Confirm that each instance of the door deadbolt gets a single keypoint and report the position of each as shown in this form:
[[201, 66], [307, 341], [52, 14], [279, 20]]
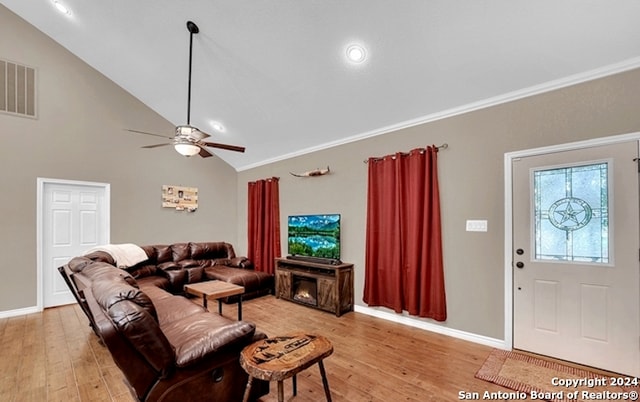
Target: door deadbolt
[[519, 251]]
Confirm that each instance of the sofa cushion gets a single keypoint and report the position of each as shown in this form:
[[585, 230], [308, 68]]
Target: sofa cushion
[[144, 333], [198, 335], [77, 264], [154, 280], [193, 270], [250, 280], [170, 308], [151, 252], [163, 253], [102, 271], [169, 266], [110, 291], [211, 250], [180, 251], [101, 256], [142, 270], [194, 274]]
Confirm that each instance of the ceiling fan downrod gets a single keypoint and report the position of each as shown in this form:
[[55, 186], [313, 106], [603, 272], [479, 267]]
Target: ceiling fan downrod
[[193, 29]]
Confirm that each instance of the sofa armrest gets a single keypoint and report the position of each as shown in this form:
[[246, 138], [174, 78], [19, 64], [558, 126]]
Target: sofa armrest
[[177, 278], [241, 262], [198, 336], [174, 273]]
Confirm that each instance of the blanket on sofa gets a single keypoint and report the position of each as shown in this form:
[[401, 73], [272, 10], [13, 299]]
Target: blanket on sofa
[[125, 255]]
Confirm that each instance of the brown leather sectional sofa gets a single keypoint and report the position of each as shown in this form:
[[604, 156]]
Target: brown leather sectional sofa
[[169, 348]]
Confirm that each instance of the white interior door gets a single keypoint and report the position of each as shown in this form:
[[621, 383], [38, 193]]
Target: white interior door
[[74, 219], [576, 274]]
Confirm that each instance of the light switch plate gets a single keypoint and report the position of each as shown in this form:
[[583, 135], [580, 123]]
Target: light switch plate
[[476, 225]]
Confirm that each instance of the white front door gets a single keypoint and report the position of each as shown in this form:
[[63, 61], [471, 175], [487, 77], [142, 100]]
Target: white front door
[[74, 219], [576, 281]]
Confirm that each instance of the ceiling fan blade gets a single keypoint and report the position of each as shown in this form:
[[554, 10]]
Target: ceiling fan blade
[[144, 132], [156, 145], [224, 146], [204, 153]]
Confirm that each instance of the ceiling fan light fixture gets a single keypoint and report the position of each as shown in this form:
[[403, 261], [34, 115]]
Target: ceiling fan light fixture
[[188, 140], [185, 148], [184, 130]]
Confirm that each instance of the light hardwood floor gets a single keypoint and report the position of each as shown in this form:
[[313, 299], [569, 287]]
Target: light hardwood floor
[[54, 356]]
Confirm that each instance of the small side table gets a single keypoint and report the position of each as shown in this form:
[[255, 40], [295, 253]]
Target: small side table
[[215, 290], [281, 357]]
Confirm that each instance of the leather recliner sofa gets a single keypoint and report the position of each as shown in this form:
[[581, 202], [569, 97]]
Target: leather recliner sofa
[[168, 348], [183, 263]]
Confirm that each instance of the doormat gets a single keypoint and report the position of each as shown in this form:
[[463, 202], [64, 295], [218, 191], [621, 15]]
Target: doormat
[[533, 378]]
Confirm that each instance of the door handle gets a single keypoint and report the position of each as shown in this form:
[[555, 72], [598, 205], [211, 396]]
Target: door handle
[[520, 264]]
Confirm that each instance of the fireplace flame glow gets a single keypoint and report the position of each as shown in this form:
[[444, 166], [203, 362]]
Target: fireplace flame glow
[[305, 290]]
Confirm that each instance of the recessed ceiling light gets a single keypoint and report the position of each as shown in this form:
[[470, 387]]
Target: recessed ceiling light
[[356, 53], [217, 126], [61, 7]]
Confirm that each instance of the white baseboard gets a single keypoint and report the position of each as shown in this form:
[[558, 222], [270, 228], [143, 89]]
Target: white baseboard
[[455, 333], [20, 311]]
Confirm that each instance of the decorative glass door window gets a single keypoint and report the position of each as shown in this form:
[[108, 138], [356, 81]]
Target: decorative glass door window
[[571, 213]]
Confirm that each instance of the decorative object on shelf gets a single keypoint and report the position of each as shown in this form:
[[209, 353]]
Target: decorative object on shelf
[[180, 198], [311, 173]]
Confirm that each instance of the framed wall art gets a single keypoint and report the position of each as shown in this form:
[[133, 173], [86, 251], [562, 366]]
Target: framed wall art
[[180, 198]]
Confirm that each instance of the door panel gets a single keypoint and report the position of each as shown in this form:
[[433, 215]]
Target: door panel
[[74, 220], [577, 282], [546, 295]]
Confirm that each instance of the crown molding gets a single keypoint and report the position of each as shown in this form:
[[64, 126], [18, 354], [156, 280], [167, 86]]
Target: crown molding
[[549, 86]]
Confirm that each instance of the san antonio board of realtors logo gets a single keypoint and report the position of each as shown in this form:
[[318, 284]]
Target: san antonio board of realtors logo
[[570, 213]]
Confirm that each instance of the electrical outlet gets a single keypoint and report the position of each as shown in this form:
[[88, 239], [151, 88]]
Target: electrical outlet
[[476, 225]]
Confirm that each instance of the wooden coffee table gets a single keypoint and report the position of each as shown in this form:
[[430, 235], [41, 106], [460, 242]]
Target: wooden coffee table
[[281, 357], [215, 290]]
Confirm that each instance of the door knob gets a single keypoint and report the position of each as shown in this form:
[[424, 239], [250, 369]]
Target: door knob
[[520, 264]]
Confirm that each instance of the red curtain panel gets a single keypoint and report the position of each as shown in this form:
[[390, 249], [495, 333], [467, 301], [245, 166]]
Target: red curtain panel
[[403, 260], [264, 224]]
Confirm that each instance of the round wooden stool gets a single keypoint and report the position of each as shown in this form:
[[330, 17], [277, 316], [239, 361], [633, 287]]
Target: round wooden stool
[[281, 357]]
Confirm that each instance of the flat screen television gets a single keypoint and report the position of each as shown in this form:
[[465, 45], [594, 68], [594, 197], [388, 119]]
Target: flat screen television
[[314, 236]]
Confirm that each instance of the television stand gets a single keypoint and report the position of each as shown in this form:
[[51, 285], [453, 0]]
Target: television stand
[[324, 286]]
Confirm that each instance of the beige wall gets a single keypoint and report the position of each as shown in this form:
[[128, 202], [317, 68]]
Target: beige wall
[[471, 183], [79, 136]]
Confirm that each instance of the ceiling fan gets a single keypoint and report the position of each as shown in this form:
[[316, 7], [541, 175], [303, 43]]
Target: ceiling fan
[[188, 140]]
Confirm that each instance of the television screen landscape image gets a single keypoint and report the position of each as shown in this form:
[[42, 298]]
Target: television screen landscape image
[[314, 235]]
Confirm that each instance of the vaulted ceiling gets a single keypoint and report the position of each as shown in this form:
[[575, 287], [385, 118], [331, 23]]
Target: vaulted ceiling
[[274, 73]]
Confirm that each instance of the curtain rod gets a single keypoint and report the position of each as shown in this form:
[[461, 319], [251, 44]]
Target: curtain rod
[[443, 146]]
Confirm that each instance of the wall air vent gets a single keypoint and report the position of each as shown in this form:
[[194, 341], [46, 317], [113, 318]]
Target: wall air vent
[[17, 89]]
